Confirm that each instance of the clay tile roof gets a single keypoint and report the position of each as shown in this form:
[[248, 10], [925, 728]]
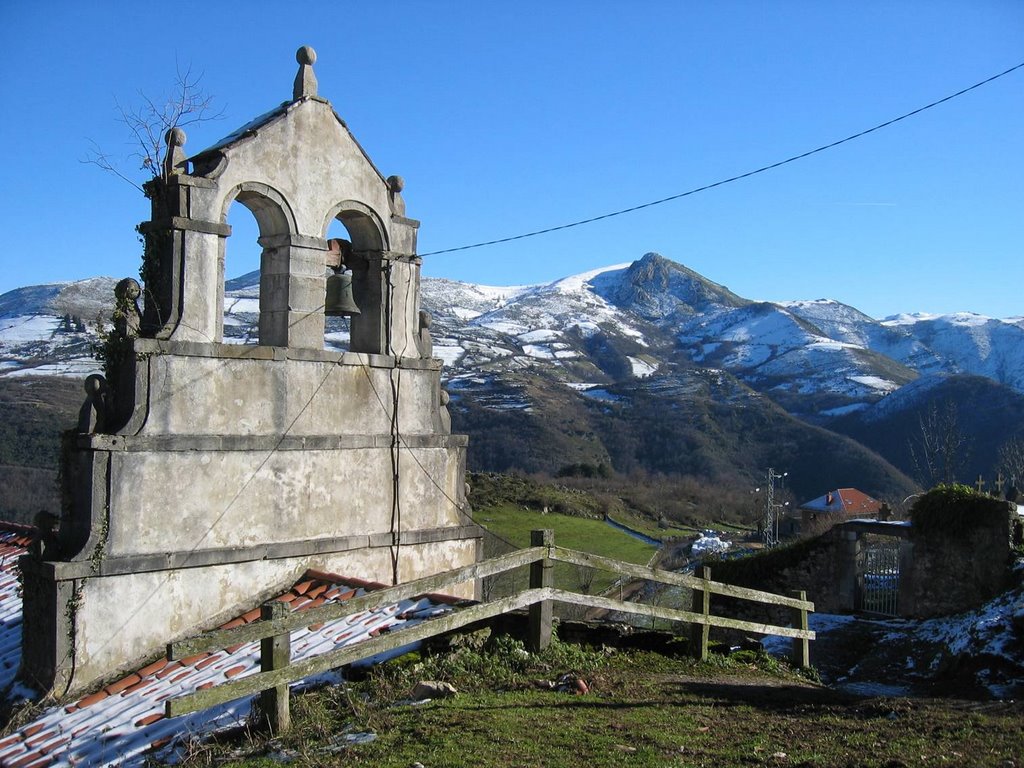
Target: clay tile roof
[[845, 501], [122, 723]]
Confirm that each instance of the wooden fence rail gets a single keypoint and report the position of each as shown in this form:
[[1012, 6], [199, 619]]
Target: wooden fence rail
[[275, 625]]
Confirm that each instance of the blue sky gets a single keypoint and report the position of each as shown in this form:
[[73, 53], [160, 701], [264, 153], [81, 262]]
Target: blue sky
[[510, 117]]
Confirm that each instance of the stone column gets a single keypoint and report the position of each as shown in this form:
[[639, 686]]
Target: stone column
[[182, 267], [906, 600], [292, 291], [847, 546], [370, 290]]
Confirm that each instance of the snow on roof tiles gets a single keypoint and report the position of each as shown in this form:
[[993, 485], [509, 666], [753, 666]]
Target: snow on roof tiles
[[847, 501], [123, 722]]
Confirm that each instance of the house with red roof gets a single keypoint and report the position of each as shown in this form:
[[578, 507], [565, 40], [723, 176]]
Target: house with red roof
[[837, 506]]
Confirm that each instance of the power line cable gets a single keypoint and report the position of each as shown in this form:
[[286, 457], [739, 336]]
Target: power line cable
[[731, 179]]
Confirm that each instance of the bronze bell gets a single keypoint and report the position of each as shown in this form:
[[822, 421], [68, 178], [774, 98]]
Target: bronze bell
[[339, 301]]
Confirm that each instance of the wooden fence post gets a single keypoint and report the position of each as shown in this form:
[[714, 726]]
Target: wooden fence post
[[801, 655], [700, 633], [541, 575], [275, 653]]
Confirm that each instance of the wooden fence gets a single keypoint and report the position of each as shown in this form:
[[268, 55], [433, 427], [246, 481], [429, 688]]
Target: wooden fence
[[276, 623]]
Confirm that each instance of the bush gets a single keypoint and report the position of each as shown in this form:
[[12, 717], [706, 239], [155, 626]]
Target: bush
[[956, 510]]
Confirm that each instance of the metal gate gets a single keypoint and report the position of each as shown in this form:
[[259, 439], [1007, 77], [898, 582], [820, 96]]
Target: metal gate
[[878, 577]]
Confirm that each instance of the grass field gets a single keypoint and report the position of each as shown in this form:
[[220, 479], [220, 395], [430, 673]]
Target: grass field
[[514, 524], [641, 710]]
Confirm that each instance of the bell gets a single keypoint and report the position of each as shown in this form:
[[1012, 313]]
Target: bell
[[339, 301]]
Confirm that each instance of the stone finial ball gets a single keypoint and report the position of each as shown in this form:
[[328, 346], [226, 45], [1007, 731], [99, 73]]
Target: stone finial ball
[[128, 288], [396, 183], [445, 398], [305, 55], [94, 384], [175, 137]]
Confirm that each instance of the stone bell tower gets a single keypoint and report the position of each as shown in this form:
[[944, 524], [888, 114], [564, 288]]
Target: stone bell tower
[[205, 475]]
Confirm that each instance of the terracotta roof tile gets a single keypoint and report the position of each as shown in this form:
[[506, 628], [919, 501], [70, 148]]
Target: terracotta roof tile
[[168, 670], [153, 668], [132, 707], [40, 737], [316, 591], [14, 738], [120, 685]]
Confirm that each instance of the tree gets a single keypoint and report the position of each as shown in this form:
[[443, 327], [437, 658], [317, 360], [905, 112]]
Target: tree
[[1010, 461], [149, 122], [940, 449]]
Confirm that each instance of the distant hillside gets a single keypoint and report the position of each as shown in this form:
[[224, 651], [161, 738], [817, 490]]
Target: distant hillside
[[987, 415], [685, 424]]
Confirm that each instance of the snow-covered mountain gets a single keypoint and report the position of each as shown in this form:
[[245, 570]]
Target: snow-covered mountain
[[599, 327], [652, 331]]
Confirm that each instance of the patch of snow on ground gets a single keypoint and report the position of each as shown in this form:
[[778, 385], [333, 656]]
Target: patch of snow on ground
[[874, 382], [586, 328], [634, 334], [242, 306], [577, 283], [749, 355], [845, 409], [908, 318], [78, 367], [449, 355], [539, 352], [465, 314], [708, 543], [27, 328], [540, 335], [831, 344], [641, 368], [502, 326], [499, 293]]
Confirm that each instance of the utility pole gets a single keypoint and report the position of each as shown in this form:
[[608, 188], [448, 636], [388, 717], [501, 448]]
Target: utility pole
[[771, 510]]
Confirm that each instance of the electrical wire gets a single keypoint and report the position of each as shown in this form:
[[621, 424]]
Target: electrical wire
[[729, 180]]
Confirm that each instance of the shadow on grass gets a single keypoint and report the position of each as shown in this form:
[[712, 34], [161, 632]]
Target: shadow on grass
[[796, 700]]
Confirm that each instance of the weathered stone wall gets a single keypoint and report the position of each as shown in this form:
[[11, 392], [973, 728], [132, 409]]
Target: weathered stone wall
[[953, 573], [940, 574], [811, 566], [108, 622]]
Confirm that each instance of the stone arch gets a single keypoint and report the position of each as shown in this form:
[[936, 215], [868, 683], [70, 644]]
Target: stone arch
[[370, 244], [363, 223], [277, 228], [272, 211]]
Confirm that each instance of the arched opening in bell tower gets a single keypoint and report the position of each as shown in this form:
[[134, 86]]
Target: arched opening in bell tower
[[254, 267], [357, 229], [242, 251]]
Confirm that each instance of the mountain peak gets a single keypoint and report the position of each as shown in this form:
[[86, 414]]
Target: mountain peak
[[658, 288]]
